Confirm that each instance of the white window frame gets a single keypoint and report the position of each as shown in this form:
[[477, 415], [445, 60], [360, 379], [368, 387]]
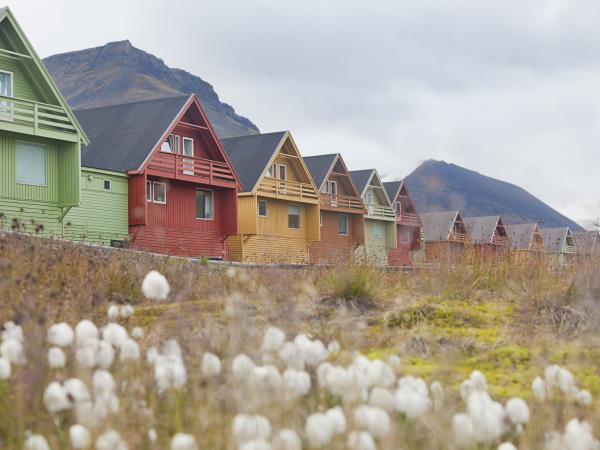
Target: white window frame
[[320, 218], [280, 166], [154, 183], [109, 185], [212, 202], [149, 185], [331, 185], [266, 208], [369, 197], [177, 149], [347, 225], [8, 115], [45, 163], [183, 140], [172, 143], [378, 226], [299, 218]]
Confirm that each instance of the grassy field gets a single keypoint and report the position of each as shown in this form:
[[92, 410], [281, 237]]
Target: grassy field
[[507, 321]]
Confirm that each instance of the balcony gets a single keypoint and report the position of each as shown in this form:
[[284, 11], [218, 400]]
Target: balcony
[[288, 190], [569, 249], [37, 119], [380, 211], [189, 168], [500, 241], [341, 203], [410, 219], [462, 238]]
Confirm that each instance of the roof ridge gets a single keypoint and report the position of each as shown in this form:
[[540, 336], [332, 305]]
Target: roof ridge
[[114, 105]]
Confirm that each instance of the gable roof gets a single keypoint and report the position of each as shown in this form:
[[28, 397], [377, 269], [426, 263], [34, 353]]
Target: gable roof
[[437, 226], [122, 136], [555, 238], [482, 229], [319, 167], [587, 242], [392, 188], [6, 14], [251, 154], [361, 179], [521, 235]]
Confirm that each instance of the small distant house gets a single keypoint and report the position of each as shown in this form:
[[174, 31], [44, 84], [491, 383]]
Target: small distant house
[[526, 241], [587, 244], [278, 202], [408, 224], [40, 140], [560, 245], [181, 187], [488, 235], [445, 236], [342, 212], [380, 219]]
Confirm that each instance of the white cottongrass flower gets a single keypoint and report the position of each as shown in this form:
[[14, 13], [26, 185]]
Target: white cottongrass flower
[[155, 286], [77, 390], [487, 415], [333, 347], [337, 420], [183, 441], [286, 439], [380, 374], [242, 367], [85, 330], [382, 398], [55, 398], [36, 442], [56, 358], [394, 361], [112, 312], [256, 444], [319, 430], [578, 436], [583, 397], [566, 381], [5, 369], [296, 383], [507, 446], [248, 427], [12, 350], [137, 333], [130, 350], [211, 365], [312, 352], [81, 438], [110, 440], [360, 440], [114, 334], [12, 331], [475, 382], [152, 435], [273, 340], [551, 376], [169, 372], [126, 311], [517, 411], [538, 387], [372, 419], [462, 429], [412, 397], [103, 382], [60, 335], [105, 355]]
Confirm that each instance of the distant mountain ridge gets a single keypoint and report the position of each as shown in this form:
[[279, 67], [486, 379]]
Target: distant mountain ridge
[[118, 72], [440, 186]]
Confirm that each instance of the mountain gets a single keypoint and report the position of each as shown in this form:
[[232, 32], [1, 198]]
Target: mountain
[[120, 73], [439, 186]]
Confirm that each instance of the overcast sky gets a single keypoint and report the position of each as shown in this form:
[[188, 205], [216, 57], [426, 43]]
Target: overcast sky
[[509, 88]]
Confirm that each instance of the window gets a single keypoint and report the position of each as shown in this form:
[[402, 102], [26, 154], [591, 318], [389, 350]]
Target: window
[[107, 185], [272, 170], [148, 191], [405, 235], [159, 192], [343, 224], [378, 231], [188, 146], [321, 218], [333, 187], [293, 216], [177, 144], [398, 206], [262, 208], [167, 146], [31, 163], [205, 204], [282, 172], [369, 197], [6, 90]]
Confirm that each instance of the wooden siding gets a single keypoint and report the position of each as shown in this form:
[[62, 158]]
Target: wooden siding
[[276, 222], [334, 248], [102, 215], [31, 215], [23, 84], [173, 241], [260, 249], [444, 251], [137, 200], [247, 214], [376, 250], [402, 255]]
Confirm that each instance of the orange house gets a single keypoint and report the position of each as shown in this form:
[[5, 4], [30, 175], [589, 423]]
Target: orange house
[[488, 235], [446, 236]]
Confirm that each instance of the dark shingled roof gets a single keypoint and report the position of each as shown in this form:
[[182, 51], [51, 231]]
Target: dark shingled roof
[[251, 154], [587, 242], [521, 235], [319, 166], [482, 229], [122, 136], [361, 178], [437, 226], [554, 238], [392, 188]]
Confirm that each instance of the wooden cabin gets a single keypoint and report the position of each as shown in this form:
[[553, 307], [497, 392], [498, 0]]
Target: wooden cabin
[[380, 220], [446, 236], [560, 246], [278, 201], [181, 185], [342, 211], [408, 225], [40, 140], [488, 235], [587, 244], [526, 240]]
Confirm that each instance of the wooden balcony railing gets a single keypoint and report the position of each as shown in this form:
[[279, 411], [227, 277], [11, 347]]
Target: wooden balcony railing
[[385, 212], [569, 249], [342, 203], [459, 237], [411, 219], [36, 118], [190, 168], [289, 190], [537, 247], [501, 241]]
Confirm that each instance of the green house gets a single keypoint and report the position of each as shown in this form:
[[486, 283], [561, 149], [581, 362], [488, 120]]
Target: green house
[[40, 140]]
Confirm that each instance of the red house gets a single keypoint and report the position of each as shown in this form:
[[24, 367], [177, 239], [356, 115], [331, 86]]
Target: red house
[[182, 187], [408, 225]]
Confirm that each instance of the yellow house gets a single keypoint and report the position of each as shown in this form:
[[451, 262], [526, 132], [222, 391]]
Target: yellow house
[[278, 204]]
